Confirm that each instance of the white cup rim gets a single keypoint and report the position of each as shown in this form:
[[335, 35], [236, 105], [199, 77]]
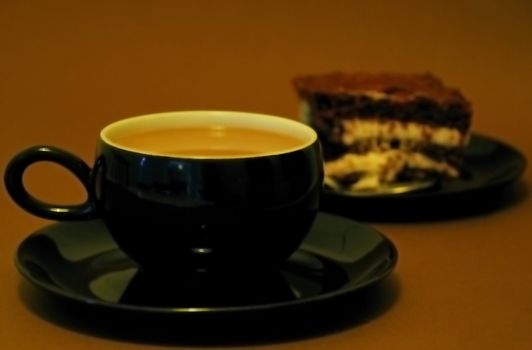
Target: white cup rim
[[155, 121]]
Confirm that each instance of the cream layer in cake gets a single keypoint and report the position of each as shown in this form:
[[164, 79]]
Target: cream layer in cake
[[355, 130]]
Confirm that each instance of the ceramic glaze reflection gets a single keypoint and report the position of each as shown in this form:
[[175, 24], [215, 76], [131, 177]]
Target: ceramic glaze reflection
[[80, 261]]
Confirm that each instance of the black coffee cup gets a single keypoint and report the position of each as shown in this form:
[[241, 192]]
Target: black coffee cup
[[171, 205]]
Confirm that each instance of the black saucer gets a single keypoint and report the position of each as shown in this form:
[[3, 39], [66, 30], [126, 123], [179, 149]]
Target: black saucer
[[80, 263], [491, 167]]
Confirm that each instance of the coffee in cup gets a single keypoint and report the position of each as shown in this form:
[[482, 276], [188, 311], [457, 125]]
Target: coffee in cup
[[194, 189]]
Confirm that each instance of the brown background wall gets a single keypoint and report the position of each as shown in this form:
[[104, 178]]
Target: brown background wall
[[67, 68]]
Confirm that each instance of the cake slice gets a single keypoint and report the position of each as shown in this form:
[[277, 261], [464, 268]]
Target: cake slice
[[386, 127]]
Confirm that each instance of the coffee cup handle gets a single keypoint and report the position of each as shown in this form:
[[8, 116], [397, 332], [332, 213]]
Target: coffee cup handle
[[13, 179]]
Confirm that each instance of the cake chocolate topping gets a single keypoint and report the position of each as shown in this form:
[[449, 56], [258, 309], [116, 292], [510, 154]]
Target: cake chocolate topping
[[407, 123], [393, 86]]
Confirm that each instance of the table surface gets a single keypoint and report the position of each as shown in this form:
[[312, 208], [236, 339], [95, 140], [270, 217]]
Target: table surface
[[67, 69]]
